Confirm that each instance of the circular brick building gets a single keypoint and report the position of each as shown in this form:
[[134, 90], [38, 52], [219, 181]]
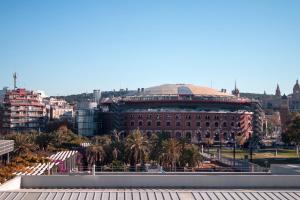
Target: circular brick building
[[184, 111]]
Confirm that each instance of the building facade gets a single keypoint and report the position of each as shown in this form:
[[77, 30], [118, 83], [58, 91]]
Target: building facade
[[22, 110], [86, 118], [185, 111], [58, 109]]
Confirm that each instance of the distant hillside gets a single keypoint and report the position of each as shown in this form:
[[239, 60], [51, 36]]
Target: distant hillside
[[89, 96]]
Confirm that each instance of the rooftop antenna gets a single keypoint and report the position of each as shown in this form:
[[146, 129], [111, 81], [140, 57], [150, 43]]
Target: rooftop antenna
[[235, 85], [15, 80]]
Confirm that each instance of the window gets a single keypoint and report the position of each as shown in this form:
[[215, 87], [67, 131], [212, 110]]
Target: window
[[158, 123], [224, 124], [168, 124], [188, 124], [149, 123], [177, 123], [140, 117], [207, 124], [198, 116], [178, 135], [188, 136], [198, 124], [188, 117], [232, 124], [149, 116], [217, 137], [177, 116], [207, 117], [158, 117], [132, 123], [216, 124], [216, 117], [168, 116], [140, 123]]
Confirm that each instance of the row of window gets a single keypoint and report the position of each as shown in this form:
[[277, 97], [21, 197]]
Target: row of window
[[200, 137], [188, 124], [179, 116]]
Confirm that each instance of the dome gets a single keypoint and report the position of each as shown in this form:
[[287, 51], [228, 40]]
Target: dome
[[296, 88], [181, 90]]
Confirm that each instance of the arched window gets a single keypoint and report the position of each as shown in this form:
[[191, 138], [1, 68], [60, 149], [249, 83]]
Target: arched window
[[188, 136], [224, 124], [158, 123], [149, 123], [207, 124], [216, 124], [217, 137], [178, 135], [140, 123]]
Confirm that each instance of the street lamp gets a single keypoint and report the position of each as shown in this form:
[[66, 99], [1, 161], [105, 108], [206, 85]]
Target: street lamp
[[250, 145], [234, 144]]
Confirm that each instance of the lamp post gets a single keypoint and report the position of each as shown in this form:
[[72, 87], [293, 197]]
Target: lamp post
[[251, 145], [234, 144]]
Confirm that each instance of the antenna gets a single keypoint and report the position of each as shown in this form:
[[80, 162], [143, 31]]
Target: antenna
[[15, 80], [235, 87]]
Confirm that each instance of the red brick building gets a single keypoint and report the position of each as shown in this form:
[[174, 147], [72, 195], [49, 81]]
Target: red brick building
[[186, 111], [192, 125]]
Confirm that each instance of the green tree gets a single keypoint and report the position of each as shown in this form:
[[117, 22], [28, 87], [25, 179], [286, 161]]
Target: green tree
[[171, 152], [95, 155], [292, 134], [137, 147], [191, 156], [23, 143]]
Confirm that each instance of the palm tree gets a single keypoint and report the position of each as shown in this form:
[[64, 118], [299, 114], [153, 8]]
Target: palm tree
[[191, 156], [23, 143], [137, 147], [171, 152], [95, 154]]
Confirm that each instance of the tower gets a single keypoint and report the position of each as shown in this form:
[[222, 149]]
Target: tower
[[15, 80], [296, 89], [236, 91], [278, 92]]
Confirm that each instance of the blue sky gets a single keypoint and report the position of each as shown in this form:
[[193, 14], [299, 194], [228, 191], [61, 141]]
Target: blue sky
[[71, 46]]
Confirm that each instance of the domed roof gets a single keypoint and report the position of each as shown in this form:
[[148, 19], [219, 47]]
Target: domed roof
[[296, 88], [181, 90]]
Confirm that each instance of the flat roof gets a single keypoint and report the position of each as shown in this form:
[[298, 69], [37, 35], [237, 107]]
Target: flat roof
[[150, 194]]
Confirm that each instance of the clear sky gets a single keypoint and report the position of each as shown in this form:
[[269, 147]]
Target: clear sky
[[72, 46]]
